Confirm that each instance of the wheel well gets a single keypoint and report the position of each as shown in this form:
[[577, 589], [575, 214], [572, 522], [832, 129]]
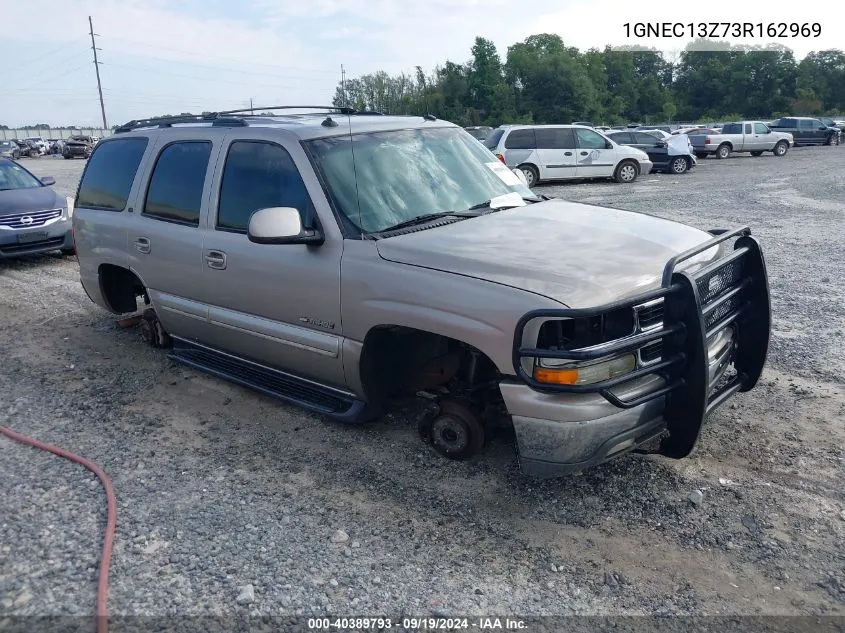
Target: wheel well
[[532, 166], [398, 360], [121, 288], [728, 143], [627, 160]]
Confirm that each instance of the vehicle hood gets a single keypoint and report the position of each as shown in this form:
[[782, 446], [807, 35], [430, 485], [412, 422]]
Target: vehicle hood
[[31, 199], [577, 254]]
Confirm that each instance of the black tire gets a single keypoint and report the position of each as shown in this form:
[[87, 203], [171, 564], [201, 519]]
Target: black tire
[[532, 175], [781, 148], [455, 431], [66, 157], [626, 172], [68, 252], [756, 153], [723, 151], [701, 154], [679, 165]]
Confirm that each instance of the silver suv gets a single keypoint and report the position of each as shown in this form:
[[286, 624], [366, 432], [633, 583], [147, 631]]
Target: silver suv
[[336, 260]]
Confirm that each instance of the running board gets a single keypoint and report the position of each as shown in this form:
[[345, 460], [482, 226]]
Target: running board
[[306, 394]]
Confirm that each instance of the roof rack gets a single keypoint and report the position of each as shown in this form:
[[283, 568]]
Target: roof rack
[[241, 118]]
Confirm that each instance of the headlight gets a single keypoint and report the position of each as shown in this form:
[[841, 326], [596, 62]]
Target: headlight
[[564, 372], [69, 206]]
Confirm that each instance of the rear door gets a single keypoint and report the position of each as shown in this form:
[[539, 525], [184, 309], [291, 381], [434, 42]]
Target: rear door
[[595, 158], [556, 152], [521, 148], [807, 131], [165, 231], [820, 131]]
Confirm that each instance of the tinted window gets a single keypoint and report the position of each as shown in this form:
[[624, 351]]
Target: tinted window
[[732, 128], [493, 140], [588, 139], [789, 122], [259, 175], [804, 124], [748, 128], [175, 191], [109, 174], [623, 138], [760, 128], [645, 139], [520, 139], [554, 138]]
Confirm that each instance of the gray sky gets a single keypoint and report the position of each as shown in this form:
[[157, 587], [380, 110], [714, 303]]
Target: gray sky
[[169, 56]]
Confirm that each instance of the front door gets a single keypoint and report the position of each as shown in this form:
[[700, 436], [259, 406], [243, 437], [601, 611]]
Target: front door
[[556, 152], [658, 152], [276, 304], [595, 156], [165, 231], [762, 138]]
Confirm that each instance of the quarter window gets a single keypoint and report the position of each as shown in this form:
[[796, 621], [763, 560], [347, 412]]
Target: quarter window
[[587, 139], [110, 173], [521, 139], [259, 175], [177, 183]]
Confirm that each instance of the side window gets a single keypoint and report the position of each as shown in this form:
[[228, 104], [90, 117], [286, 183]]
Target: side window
[[555, 138], [748, 128], [642, 138], [176, 186], [806, 124], [109, 174], [790, 123], [521, 139], [258, 175], [760, 128], [817, 124], [623, 138], [587, 139]]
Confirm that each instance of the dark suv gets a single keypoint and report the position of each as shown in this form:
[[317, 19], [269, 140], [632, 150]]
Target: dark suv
[[807, 130]]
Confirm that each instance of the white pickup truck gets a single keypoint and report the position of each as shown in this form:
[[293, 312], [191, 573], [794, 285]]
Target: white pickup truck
[[754, 137]]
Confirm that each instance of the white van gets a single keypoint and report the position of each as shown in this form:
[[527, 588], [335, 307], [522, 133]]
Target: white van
[[564, 152]]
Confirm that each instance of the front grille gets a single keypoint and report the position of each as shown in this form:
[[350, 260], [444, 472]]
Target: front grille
[[12, 249], [651, 352], [649, 315], [36, 218]]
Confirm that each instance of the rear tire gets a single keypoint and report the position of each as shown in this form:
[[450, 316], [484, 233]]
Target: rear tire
[[679, 165], [756, 153], [781, 148], [531, 174], [701, 154], [626, 172], [724, 151]]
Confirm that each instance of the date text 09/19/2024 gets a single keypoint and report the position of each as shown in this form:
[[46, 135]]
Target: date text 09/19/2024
[[718, 30], [364, 624]]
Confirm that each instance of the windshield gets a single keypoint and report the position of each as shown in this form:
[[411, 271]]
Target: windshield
[[405, 174], [13, 176]]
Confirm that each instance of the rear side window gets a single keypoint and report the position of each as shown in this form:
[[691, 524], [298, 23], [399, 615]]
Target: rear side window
[[748, 128], [554, 138], [732, 128], [623, 138], [175, 191], [259, 175], [645, 139], [521, 139], [109, 174]]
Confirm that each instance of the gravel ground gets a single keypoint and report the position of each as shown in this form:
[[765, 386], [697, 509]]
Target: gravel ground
[[230, 503]]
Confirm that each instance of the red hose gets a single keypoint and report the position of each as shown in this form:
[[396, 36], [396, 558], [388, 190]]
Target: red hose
[[105, 558]]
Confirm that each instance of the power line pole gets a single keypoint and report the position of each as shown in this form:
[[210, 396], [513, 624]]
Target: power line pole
[[251, 111], [343, 85], [97, 69]]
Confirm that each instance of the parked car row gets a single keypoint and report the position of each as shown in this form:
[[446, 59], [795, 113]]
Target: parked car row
[[564, 152]]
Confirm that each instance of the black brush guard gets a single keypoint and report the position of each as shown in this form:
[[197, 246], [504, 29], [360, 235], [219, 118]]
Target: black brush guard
[[732, 290]]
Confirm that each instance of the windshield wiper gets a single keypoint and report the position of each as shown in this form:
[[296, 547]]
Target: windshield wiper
[[428, 217], [488, 204]]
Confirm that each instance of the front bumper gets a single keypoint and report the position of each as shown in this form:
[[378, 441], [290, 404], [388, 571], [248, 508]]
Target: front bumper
[[714, 337], [55, 236], [646, 166]]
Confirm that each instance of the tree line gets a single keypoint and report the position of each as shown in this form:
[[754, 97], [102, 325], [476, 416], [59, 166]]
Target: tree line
[[541, 80]]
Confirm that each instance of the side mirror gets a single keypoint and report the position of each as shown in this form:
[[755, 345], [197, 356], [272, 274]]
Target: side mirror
[[48, 180], [280, 225], [608, 145], [521, 175]]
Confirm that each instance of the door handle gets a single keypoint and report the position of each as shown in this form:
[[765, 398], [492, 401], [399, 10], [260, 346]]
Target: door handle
[[584, 153], [215, 259], [567, 153], [142, 245]]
